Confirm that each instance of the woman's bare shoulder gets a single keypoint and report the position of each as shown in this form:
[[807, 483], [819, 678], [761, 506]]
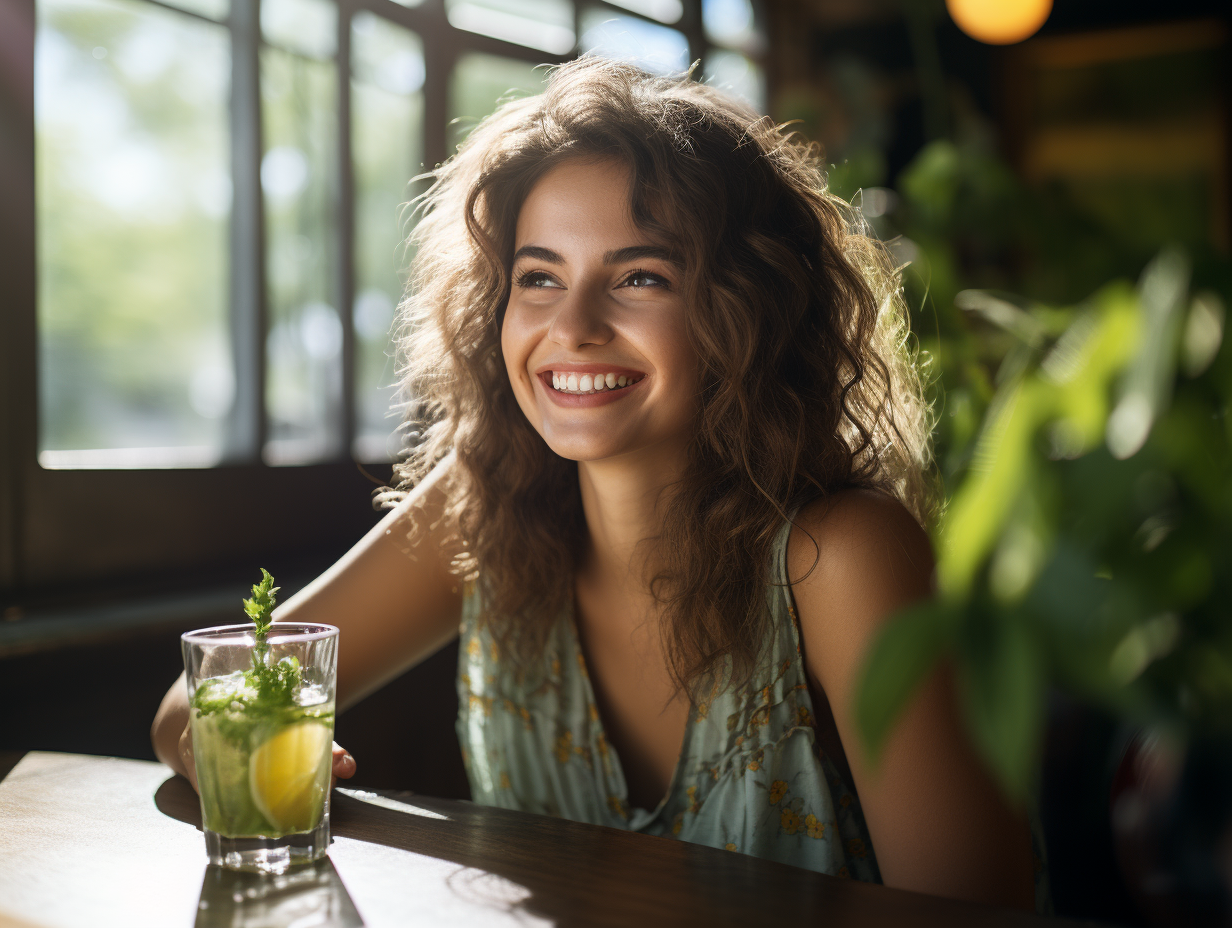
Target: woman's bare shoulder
[[855, 557]]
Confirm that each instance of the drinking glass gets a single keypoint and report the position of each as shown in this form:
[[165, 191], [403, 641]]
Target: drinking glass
[[262, 719]]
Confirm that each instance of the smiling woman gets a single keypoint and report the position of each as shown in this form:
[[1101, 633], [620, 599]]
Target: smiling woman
[[669, 482]]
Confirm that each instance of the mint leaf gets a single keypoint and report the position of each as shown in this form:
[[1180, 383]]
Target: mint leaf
[[261, 606]]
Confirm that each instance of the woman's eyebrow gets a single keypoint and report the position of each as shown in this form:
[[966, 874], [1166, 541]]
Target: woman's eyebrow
[[539, 253], [639, 253]]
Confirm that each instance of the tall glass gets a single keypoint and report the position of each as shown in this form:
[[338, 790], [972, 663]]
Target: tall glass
[[262, 718]]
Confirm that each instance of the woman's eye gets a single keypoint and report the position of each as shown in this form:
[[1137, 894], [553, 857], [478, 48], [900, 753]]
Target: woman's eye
[[645, 279], [536, 280]]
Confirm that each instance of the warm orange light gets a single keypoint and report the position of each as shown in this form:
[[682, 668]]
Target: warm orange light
[[999, 22]]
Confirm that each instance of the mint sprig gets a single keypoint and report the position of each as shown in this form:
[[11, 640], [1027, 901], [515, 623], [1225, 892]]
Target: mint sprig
[[261, 606]]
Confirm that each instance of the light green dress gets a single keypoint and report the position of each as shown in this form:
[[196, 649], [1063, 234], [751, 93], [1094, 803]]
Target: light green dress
[[751, 777]]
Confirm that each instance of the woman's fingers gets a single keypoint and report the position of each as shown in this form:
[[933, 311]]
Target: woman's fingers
[[344, 765], [186, 757]]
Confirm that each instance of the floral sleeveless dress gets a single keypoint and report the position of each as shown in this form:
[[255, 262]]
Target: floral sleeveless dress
[[751, 777]]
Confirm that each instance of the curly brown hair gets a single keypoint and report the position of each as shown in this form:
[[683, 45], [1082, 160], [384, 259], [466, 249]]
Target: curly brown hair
[[809, 383]]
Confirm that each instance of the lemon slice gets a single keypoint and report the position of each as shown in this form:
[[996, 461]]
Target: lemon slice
[[289, 774]]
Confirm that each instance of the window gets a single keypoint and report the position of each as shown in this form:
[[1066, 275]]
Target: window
[[205, 243]]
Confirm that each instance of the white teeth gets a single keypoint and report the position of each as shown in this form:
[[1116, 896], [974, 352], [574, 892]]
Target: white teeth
[[588, 383]]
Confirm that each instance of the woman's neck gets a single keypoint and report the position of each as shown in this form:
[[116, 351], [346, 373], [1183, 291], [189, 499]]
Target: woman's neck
[[624, 500]]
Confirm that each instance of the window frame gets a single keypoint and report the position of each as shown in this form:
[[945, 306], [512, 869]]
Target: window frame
[[83, 529]]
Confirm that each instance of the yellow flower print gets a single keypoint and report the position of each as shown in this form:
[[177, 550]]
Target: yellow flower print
[[778, 789], [594, 712], [729, 846], [474, 648], [855, 847], [563, 745], [556, 666], [703, 709], [481, 703], [694, 805], [581, 662], [843, 873], [617, 807], [790, 821], [601, 744], [465, 680], [804, 717], [495, 652], [765, 695], [504, 780], [815, 828], [677, 823], [755, 763]]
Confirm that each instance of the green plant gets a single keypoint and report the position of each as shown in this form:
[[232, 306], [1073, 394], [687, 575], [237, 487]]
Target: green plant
[[1087, 542]]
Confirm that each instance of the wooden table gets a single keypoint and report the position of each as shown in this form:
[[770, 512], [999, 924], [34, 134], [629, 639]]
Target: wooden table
[[98, 841]]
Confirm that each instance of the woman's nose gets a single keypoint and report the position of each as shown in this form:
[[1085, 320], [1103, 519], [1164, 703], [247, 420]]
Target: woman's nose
[[580, 320]]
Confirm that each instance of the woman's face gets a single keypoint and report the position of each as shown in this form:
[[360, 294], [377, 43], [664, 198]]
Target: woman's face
[[594, 335]]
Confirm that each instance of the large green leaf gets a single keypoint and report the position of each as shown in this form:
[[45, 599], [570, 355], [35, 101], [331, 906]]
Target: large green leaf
[[906, 650], [1002, 683]]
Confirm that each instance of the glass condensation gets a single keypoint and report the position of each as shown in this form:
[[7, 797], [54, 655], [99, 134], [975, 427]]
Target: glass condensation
[[133, 202], [657, 49], [480, 82], [738, 75], [387, 76], [298, 181], [543, 24]]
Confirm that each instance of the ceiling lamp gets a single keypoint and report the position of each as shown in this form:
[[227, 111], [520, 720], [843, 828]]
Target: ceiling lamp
[[999, 22]]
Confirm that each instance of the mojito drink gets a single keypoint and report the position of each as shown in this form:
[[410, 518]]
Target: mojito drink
[[263, 759], [261, 712]]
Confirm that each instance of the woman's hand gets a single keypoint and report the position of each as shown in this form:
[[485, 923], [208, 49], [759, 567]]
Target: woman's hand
[[344, 766]]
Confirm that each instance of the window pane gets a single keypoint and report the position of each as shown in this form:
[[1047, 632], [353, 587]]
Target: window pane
[[214, 9], [656, 48], [665, 11], [738, 75], [304, 347], [387, 150], [309, 27], [543, 24], [134, 197], [732, 23], [479, 82]]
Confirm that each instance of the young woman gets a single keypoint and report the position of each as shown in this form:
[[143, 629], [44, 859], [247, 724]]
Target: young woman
[[668, 482]]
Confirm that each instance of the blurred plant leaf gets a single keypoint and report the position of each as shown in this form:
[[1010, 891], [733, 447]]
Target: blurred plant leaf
[[999, 673], [1147, 385], [901, 658]]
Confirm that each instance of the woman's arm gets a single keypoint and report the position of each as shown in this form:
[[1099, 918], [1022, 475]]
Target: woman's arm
[[393, 599], [938, 821]]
